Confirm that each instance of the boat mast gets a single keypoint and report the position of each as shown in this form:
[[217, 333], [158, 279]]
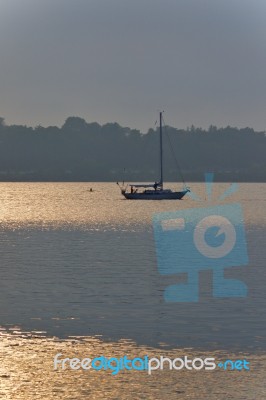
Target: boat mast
[[161, 149]]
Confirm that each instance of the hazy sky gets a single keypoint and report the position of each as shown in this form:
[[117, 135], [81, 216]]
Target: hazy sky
[[202, 61]]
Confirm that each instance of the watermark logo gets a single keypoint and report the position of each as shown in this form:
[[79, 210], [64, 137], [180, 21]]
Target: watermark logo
[[116, 365], [197, 239]]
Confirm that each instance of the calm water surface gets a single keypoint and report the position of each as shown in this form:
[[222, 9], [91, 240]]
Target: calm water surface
[[79, 276]]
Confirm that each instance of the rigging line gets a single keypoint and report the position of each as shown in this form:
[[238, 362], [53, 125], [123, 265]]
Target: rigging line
[[155, 129], [173, 154], [145, 148]]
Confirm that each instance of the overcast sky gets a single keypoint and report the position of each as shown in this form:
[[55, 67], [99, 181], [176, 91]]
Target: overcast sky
[[202, 61]]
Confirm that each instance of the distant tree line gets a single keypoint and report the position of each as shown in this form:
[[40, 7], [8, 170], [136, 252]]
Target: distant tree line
[[81, 151]]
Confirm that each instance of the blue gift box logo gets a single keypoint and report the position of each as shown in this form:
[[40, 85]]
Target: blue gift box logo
[[197, 239]]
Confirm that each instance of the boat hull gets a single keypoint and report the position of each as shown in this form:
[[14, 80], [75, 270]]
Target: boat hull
[[156, 195]]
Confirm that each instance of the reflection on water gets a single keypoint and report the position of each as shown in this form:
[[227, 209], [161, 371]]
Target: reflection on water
[[27, 372], [109, 283], [72, 204], [80, 263]]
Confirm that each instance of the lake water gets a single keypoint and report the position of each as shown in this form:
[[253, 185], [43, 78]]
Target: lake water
[[79, 276]]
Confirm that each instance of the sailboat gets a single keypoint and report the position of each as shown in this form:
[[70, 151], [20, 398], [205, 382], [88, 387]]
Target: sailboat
[[153, 191]]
